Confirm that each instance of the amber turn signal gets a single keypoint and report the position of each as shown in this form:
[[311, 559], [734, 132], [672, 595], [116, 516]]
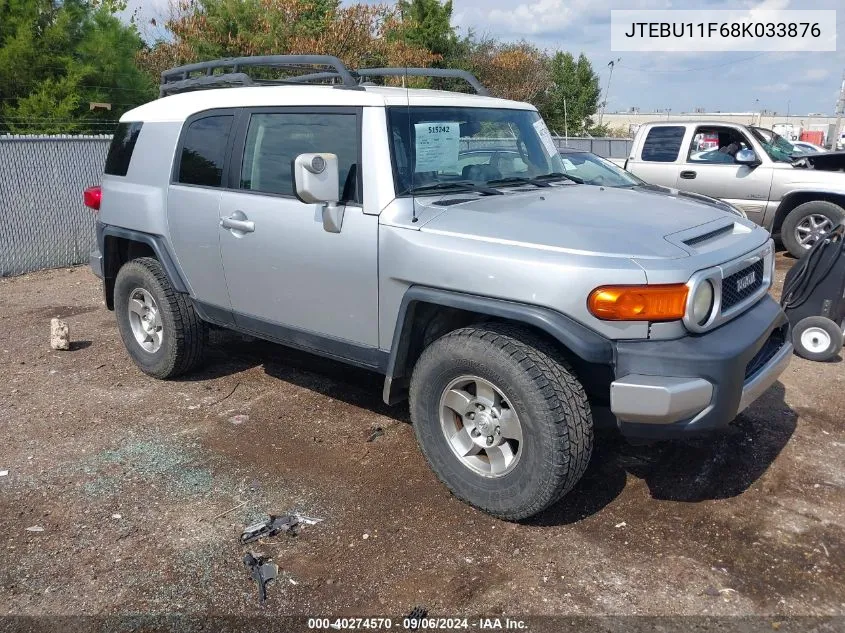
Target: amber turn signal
[[639, 303]]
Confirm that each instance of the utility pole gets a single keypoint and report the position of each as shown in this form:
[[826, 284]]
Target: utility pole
[[610, 65], [840, 110]]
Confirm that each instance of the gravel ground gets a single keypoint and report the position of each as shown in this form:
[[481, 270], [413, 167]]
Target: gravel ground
[[112, 474]]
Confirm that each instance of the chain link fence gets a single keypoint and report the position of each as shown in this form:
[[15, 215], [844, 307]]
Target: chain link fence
[[45, 224]]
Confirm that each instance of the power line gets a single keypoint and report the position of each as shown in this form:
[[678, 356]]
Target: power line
[[687, 70]]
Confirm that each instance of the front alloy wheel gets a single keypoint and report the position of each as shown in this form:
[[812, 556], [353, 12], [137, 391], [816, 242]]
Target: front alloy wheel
[[481, 427]]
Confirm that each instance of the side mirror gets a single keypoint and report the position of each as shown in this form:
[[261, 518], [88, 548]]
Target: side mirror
[[316, 181], [747, 157]]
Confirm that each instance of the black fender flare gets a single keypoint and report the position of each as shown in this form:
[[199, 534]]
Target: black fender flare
[[156, 242], [583, 342]]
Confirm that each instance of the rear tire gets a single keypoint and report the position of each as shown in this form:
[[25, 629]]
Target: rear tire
[[817, 338], [161, 331], [800, 222], [532, 384]]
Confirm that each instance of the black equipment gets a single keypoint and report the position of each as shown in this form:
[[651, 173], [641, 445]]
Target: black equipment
[[814, 298]]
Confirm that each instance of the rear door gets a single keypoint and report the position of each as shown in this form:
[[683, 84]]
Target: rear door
[[657, 159], [288, 278], [193, 203]]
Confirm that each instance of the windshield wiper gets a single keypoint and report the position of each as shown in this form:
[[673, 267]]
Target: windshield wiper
[[556, 175], [461, 185], [518, 180]]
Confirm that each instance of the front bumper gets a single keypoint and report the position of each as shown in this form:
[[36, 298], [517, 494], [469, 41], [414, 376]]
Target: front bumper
[[699, 383]]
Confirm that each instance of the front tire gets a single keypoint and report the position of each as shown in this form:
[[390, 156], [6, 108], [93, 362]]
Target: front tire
[[161, 331], [807, 222], [501, 419], [817, 338]]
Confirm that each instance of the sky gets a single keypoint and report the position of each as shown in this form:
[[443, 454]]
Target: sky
[[796, 82]]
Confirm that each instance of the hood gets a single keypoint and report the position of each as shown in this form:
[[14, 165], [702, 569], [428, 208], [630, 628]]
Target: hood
[[579, 219], [697, 197], [828, 161]]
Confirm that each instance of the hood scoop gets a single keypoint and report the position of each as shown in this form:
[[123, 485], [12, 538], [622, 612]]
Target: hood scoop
[[709, 235]]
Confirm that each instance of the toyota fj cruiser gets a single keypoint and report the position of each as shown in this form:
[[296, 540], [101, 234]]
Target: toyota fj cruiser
[[511, 303]]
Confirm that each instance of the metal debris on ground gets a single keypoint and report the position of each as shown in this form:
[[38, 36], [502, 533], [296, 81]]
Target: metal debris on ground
[[35, 528], [3, 473], [376, 432], [263, 570], [417, 613], [287, 523]]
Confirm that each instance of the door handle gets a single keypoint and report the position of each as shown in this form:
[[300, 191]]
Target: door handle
[[688, 175], [244, 226]]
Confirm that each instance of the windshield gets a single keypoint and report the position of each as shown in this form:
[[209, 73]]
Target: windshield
[[778, 149], [595, 170], [442, 148]]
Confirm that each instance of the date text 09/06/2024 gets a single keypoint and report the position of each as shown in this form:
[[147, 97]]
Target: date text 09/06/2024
[[418, 624]]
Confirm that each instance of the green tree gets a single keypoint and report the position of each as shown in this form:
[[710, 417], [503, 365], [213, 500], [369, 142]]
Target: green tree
[[59, 58], [573, 95], [428, 24]]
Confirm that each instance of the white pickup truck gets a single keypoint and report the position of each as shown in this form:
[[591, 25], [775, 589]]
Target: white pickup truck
[[751, 168]]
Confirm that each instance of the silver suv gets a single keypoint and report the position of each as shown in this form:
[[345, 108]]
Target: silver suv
[[800, 197], [513, 305]]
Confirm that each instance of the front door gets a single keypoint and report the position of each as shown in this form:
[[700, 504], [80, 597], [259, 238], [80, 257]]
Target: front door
[[287, 276], [710, 169]]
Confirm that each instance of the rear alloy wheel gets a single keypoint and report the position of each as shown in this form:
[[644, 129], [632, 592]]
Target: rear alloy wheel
[[807, 223], [501, 419]]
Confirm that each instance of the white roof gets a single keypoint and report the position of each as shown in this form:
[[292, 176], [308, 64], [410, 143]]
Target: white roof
[[180, 106]]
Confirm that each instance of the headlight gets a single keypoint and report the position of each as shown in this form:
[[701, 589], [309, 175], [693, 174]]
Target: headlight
[[702, 303]]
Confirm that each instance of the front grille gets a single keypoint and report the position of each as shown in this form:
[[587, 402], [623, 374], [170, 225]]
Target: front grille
[[776, 340], [740, 285]]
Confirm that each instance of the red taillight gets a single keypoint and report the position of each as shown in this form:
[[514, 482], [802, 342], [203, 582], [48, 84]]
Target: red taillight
[[92, 197]]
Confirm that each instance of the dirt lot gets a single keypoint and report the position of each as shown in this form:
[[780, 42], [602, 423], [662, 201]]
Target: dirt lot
[[127, 476]]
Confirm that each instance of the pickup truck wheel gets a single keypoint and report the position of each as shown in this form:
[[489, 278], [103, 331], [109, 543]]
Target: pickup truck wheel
[[161, 331], [817, 338], [807, 222], [501, 419]]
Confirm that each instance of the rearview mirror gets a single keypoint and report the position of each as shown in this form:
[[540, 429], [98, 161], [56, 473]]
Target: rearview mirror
[[316, 180], [746, 157]]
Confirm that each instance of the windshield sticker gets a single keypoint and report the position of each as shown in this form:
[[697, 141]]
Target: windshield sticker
[[568, 164], [545, 137], [437, 146]]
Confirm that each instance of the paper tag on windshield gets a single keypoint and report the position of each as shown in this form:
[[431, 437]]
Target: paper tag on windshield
[[437, 146], [545, 137], [568, 164]]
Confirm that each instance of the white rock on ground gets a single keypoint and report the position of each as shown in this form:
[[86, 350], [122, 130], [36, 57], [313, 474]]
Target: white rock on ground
[[59, 334]]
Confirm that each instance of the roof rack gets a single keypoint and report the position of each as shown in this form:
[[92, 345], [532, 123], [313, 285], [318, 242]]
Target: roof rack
[[401, 72], [426, 72], [179, 79]]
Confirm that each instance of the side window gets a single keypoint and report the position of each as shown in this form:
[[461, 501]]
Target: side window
[[663, 144], [274, 140], [121, 148], [203, 150], [715, 145]]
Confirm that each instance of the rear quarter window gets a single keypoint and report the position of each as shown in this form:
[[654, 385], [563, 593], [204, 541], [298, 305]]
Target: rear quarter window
[[204, 150], [663, 144], [121, 148]]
